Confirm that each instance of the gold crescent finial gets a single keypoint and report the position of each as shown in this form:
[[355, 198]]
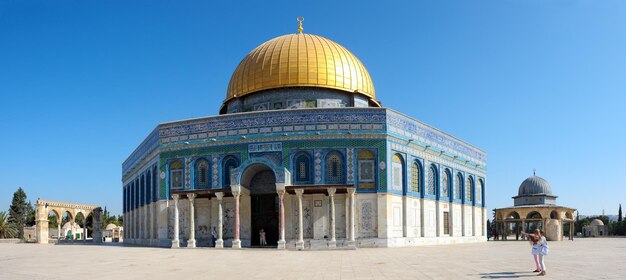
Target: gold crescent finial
[[300, 28]]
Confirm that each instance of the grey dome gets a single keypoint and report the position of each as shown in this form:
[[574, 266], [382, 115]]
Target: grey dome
[[597, 222], [534, 185]]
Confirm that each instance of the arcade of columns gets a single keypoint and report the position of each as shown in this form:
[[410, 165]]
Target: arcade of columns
[[191, 243], [507, 216]]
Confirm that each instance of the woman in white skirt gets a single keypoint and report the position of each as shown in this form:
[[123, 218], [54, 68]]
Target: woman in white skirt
[[543, 251], [535, 247]]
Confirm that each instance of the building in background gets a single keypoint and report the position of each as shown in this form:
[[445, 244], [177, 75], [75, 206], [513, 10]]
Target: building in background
[[596, 228], [534, 208]]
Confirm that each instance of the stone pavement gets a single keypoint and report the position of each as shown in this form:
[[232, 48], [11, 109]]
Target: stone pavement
[[599, 258]]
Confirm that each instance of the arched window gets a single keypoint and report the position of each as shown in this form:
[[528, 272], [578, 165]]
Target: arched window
[[416, 177], [432, 180], [176, 175], [479, 191], [229, 164], [468, 189], [445, 189], [302, 168], [366, 166], [458, 182], [334, 168], [397, 175], [201, 173]]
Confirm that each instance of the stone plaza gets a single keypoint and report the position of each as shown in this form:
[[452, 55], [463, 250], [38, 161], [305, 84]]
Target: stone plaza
[[585, 258]]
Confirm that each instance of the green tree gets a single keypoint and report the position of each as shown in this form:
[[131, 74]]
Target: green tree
[[52, 221], [7, 229], [619, 213], [30, 214], [18, 211]]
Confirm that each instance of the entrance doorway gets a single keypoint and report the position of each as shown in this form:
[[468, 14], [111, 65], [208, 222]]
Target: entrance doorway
[[264, 208], [265, 216]]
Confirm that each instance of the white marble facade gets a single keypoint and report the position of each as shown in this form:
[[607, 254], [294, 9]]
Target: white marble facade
[[381, 221]]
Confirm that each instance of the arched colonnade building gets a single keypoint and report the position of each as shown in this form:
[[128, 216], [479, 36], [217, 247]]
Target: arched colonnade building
[[43, 208], [303, 150], [535, 208]]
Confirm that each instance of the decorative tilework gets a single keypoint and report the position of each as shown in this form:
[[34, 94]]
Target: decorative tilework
[[307, 221], [350, 165], [273, 118], [421, 132], [229, 220], [147, 146], [274, 157], [318, 166], [187, 172], [215, 159], [367, 218], [295, 104], [265, 147]]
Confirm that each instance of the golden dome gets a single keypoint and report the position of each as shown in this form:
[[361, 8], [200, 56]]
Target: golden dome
[[300, 60]]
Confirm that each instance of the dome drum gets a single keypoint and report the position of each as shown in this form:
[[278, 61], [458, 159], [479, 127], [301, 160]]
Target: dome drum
[[295, 98]]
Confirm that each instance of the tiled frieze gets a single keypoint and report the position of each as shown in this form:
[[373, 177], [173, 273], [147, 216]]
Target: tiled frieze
[[403, 125], [147, 147], [273, 118], [434, 158]]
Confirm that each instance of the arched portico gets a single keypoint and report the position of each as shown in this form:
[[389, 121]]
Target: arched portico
[[44, 207], [528, 218], [258, 186]]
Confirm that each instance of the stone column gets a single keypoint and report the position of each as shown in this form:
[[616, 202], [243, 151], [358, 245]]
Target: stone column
[[59, 229], [351, 239], [300, 242], [97, 225], [175, 241], [281, 219], [236, 240], [523, 225], [333, 241], [219, 243], [571, 230], [347, 216], [191, 243], [84, 228]]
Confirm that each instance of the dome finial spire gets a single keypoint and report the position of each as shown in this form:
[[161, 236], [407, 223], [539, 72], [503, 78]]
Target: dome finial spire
[[534, 172], [300, 28]]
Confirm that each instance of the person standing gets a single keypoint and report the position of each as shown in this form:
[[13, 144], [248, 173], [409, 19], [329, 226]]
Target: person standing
[[534, 249], [262, 238], [543, 251], [213, 236]]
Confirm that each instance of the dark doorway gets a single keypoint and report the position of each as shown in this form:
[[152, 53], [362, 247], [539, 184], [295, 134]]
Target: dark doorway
[[264, 208], [264, 216]]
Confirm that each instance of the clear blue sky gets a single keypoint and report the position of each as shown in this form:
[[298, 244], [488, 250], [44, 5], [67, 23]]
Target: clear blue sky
[[536, 84]]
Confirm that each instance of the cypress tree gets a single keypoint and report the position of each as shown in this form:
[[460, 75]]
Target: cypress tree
[[619, 213], [18, 211]]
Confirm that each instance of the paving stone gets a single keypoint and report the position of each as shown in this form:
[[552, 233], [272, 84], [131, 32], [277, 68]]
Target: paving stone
[[593, 258]]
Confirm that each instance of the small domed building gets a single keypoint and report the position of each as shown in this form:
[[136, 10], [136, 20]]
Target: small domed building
[[303, 151], [534, 208], [596, 228]]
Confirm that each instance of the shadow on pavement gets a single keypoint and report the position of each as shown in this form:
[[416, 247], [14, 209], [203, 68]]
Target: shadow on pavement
[[507, 274]]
